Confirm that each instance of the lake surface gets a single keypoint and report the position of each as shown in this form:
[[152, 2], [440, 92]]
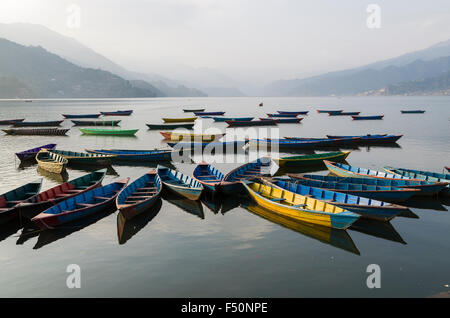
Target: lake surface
[[217, 248]]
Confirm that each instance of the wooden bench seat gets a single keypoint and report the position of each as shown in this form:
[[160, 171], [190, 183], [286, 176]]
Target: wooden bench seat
[[84, 204], [101, 198]]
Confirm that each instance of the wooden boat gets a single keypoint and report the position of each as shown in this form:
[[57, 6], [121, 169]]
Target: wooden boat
[[422, 175], [299, 207], [81, 116], [302, 112], [140, 195], [61, 192], [327, 235], [366, 207], [10, 200], [53, 123], [180, 120], [169, 126], [198, 110], [344, 113], [293, 144], [343, 170], [375, 117], [175, 136], [85, 158], [223, 119], [281, 115], [104, 123], [108, 132], [51, 162], [371, 138], [310, 160], [220, 145], [135, 155], [208, 176], [376, 188], [209, 113], [37, 132], [412, 111], [10, 121], [285, 120], [118, 113], [336, 141], [80, 206], [30, 154], [179, 183], [251, 123], [321, 111], [231, 183]]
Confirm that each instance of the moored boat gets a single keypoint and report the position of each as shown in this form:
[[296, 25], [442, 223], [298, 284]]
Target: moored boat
[[293, 144], [10, 200], [412, 111], [219, 145], [223, 119], [81, 116], [80, 206], [118, 113], [301, 112], [267, 122], [208, 176], [295, 120], [37, 132], [179, 183], [326, 141], [375, 117], [321, 111], [10, 121], [175, 136], [169, 126], [281, 115], [51, 162], [109, 132], [366, 207], [105, 123], [135, 155], [198, 110], [384, 138], [52, 123], [179, 120], [299, 207], [209, 113], [344, 113], [61, 192], [140, 195], [311, 160], [84, 158], [30, 154]]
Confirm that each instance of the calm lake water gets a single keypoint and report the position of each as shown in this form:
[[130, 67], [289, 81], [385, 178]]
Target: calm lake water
[[218, 248]]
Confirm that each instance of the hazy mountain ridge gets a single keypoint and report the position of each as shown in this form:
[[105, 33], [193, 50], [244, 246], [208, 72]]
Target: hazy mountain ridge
[[33, 72], [438, 85]]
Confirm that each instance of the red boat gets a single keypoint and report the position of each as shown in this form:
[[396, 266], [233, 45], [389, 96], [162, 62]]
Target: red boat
[[11, 121]]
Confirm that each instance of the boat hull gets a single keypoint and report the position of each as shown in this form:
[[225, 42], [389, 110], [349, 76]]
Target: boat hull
[[98, 123], [109, 132], [169, 126], [368, 117], [81, 116], [304, 161], [180, 120]]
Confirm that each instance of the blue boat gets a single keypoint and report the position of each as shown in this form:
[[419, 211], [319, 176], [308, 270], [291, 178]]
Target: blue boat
[[52, 123], [140, 195], [209, 113], [208, 176], [179, 183], [355, 186], [135, 155], [412, 111], [220, 145], [285, 120], [376, 117], [231, 182], [118, 113], [293, 144], [80, 206], [81, 116], [31, 153], [302, 112], [220, 119], [366, 207], [422, 175], [344, 113], [281, 115], [371, 138], [337, 141]]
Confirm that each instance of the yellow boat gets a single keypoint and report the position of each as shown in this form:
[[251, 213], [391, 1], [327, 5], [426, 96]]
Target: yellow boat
[[180, 120], [299, 207], [51, 162], [173, 136]]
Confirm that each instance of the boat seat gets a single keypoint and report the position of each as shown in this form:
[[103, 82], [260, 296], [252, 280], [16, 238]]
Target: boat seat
[[148, 188], [13, 202], [131, 202], [210, 180], [207, 175], [84, 204], [140, 197], [299, 206], [74, 190], [30, 193], [83, 187], [61, 195], [101, 198]]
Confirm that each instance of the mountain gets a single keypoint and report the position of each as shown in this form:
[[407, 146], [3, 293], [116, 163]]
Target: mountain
[[33, 72], [438, 85], [368, 77], [75, 52]]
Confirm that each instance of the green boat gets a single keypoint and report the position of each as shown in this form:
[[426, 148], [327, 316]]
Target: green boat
[[108, 132], [75, 158], [309, 160]]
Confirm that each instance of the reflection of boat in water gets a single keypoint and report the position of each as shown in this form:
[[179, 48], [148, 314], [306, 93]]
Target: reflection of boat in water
[[189, 206], [381, 145], [49, 236], [426, 203], [337, 238], [126, 229], [55, 177], [221, 203], [29, 231], [110, 171], [211, 201], [379, 229], [9, 228]]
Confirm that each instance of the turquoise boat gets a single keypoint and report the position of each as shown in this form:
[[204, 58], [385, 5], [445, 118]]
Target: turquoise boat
[[422, 175], [179, 183], [366, 207], [208, 176]]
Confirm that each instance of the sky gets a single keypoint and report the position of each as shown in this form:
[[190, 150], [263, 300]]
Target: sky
[[255, 41]]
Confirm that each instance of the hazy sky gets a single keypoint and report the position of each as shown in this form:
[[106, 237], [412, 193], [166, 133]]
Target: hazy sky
[[254, 40]]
